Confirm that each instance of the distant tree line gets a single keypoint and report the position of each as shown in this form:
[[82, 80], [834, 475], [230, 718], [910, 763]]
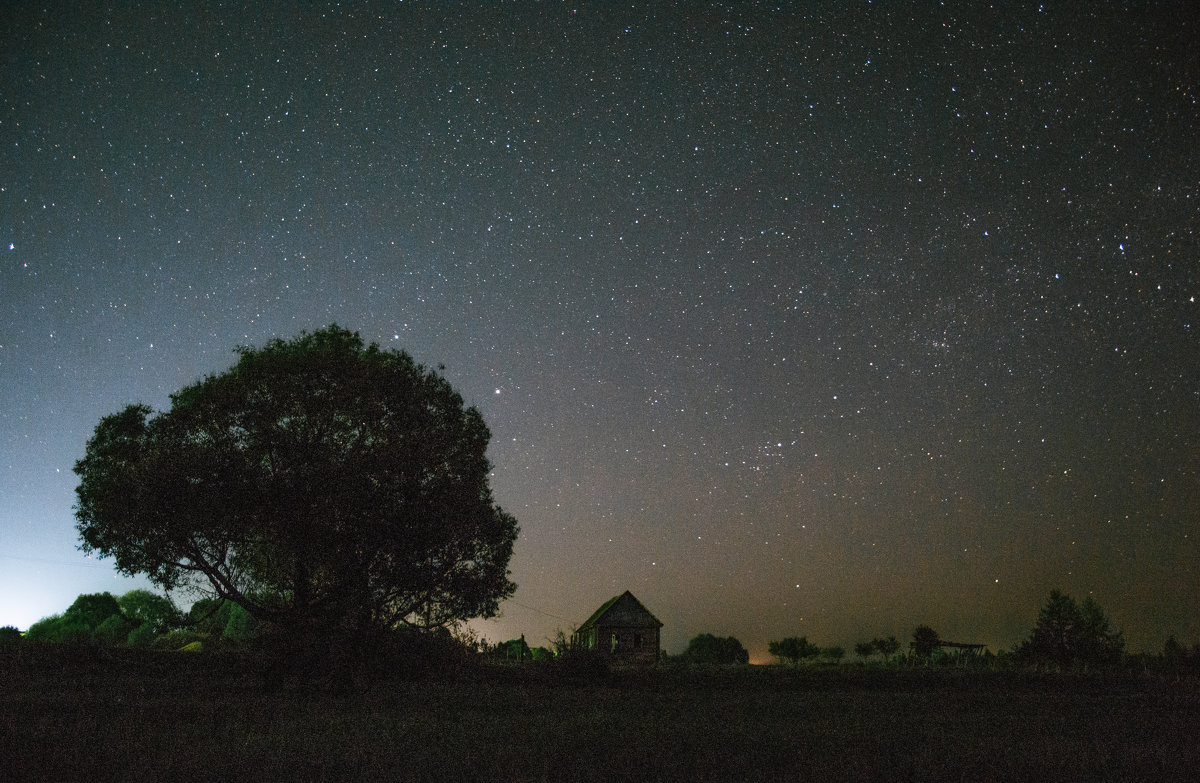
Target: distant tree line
[[141, 618], [1067, 636], [795, 649]]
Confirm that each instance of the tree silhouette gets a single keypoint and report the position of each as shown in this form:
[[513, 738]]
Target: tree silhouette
[[317, 482], [707, 648], [925, 640], [834, 654], [887, 647], [793, 649], [1067, 633]]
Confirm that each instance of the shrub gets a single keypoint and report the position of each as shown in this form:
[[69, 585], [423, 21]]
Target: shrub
[[177, 640]]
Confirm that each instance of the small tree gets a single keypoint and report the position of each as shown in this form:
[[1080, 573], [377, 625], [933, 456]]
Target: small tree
[[886, 647], [864, 649], [925, 640], [834, 654], [793, 649]]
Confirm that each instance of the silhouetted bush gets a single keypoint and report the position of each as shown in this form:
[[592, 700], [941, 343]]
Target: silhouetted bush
[[707, 648]]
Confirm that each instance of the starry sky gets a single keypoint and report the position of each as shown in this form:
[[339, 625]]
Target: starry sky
[[823, 319]]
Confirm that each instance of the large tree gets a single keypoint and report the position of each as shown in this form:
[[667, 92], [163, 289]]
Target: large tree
[[319, 480]]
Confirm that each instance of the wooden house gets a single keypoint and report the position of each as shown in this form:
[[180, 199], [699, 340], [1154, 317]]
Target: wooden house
[[622, 629]]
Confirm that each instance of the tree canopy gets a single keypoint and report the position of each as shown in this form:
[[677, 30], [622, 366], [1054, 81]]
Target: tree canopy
[[707, 648], [319, 480], [925, 640], [1068, 633], [793, 648]]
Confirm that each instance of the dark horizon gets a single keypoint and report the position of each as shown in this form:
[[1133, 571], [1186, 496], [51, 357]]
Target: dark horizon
[[829, 320]]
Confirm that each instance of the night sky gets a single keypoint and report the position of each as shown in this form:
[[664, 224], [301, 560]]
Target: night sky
[[827, 319]]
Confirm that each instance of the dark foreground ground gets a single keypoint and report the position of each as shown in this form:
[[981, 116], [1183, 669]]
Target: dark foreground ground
[[194, 717]]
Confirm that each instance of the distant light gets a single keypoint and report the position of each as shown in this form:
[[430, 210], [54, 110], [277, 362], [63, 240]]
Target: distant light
[[497, 391]]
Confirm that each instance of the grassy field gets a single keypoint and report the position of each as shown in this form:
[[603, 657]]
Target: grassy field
[[174, 716]]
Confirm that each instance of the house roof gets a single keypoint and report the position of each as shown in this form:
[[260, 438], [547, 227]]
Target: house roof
[[629, 603]]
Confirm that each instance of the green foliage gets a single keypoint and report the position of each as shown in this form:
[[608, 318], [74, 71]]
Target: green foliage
[[9, 635], [92, 618], [209, 616], [141, 636], [147, 608], [925, 640], [864, 649], [44, 629], [114, 630], [241, 626], [317, 481], [1069, 634], [60, 629], [176, 640], [793, 649], [834, 654], [92, 609], [707, 648]]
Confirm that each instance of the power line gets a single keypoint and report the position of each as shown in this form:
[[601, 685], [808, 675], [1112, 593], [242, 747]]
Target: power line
[[539, 611]]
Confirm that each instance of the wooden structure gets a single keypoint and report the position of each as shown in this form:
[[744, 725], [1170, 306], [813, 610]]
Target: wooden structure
[[621, 629]]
